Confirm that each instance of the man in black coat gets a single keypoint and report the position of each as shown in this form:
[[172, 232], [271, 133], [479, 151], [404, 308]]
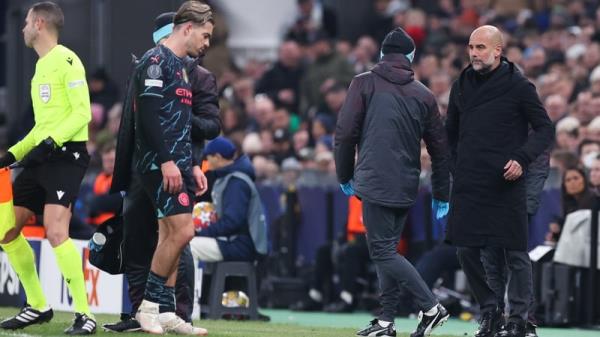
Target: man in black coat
[[384, 118], [491, 106], [494, 260]]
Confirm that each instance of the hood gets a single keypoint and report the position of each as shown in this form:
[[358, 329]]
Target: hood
[[242, 164], [394, 68], [191, 63]]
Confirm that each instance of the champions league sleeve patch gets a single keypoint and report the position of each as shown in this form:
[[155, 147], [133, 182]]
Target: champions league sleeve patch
[[154, 71]]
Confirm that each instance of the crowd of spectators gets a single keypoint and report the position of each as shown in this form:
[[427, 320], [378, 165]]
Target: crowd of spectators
[[282, 114]]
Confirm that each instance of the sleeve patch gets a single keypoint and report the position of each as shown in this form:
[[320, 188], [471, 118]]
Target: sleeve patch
[[153, 83], [74, 84], [154, 71]]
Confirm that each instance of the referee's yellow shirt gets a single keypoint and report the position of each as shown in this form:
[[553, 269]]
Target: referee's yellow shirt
[[61, 101]]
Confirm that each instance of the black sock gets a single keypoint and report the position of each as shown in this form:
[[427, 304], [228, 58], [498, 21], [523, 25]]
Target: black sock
[[154, 287], [167, 300]]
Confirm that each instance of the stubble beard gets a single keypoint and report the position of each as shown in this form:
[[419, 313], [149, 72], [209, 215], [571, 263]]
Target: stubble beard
[[484, 67]]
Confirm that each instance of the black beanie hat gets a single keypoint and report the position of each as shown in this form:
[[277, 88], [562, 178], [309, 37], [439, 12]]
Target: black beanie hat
[[398, 42]]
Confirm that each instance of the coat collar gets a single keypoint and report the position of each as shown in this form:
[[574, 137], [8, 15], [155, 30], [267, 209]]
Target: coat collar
[[500, 82]]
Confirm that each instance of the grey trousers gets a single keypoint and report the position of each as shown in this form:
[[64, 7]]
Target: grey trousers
[[471, 263], [485, 268], [497, 262], [384, 227]]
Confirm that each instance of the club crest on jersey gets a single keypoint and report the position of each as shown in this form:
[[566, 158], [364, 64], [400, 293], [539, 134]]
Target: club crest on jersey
[[154, 71], [45, 92]]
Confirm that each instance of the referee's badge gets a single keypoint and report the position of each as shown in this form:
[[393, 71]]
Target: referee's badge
[[45, 92]]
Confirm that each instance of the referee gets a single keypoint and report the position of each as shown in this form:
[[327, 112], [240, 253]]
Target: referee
[[55, 159]]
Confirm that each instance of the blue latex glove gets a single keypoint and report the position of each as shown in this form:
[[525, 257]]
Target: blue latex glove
[[347, 188], [440, 208]]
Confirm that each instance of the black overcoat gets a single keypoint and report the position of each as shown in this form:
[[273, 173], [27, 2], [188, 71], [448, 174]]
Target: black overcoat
[[487, 125]]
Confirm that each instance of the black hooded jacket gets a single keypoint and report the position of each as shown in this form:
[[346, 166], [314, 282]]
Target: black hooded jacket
[[384, 117]]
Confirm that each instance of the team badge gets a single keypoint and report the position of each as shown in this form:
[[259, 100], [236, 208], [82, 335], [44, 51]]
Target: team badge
[[45, 92], [154, 71], [184, 199]]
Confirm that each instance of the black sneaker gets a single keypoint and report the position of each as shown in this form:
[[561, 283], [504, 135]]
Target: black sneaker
[[26, 317], [490, 324], [530, 329], [428, 323], [126, 324], [374, 329], [515, 329], [83, 325]]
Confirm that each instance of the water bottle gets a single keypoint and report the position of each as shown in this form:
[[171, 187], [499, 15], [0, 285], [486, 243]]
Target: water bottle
[[97, 242]]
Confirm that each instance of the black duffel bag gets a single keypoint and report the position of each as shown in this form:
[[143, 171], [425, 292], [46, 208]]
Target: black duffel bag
[[109, 256]]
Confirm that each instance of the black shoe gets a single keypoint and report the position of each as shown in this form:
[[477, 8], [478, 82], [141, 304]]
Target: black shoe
[[374, 329], [307, 305], [338, 307], [126, 324], [515, 329], [428, 323], [491, 323], [26, 317], [530, 329], [83, 325]]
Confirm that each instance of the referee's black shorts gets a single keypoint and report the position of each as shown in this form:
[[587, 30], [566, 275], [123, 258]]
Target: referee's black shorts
[[57, 181]]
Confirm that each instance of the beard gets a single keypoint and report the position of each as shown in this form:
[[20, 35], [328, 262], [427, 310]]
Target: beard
[[29, 38], [483, 66]]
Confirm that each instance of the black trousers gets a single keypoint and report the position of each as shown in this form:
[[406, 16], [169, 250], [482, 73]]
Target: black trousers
[[140, 235], [384, 227], [470, 261], [499, 264], [486, 271]]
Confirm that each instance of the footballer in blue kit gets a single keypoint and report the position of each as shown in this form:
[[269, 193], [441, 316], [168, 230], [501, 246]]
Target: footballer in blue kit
[[163, 131], [162, 159]]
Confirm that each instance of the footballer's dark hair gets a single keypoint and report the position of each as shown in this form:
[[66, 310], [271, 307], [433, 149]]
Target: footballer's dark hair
[[51, 13], [194, 11]]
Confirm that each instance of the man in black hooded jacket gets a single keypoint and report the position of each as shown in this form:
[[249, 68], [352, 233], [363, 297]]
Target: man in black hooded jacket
[[384, 118], [491, 107]]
